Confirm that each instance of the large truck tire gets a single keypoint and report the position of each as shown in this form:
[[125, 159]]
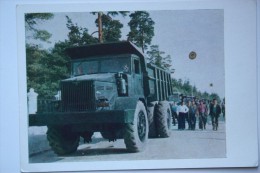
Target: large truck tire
[[152, 126], [62, 140], [136, 133], [163, 119]]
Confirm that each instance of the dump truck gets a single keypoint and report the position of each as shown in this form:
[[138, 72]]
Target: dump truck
[[112, 90]]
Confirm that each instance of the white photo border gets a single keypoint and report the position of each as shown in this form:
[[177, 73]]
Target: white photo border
[[240, 83]]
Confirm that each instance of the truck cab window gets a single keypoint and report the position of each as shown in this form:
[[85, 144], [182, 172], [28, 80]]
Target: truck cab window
[[136, 66], [105, 64]]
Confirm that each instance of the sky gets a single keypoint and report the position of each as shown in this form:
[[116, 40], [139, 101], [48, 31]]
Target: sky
[[177, 32]]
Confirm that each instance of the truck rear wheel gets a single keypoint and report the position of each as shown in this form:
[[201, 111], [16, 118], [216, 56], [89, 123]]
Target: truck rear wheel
[[62, 140], [136, 133], [163, 119], [152, 127]]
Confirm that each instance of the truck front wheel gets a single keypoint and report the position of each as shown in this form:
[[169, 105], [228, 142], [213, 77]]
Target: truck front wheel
[[136, 133], [62, 140], [163, 119]]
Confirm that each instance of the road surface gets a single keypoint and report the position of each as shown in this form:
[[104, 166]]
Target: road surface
[[180, 145]]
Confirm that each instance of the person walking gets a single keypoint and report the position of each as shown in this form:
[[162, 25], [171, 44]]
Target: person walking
[[174, 112], [202, 115], [193, 111], [223, 109], [215, 111], [188, 115], [205, 117], [182, 110]]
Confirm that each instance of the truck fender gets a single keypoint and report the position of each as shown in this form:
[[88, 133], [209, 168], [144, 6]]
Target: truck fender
[[123, 103]]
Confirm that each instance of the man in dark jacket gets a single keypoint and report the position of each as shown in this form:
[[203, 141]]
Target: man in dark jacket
[[215, 111], [193, 111], [202, 109]]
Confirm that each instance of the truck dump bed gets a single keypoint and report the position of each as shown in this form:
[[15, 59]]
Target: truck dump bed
[[159, 82]]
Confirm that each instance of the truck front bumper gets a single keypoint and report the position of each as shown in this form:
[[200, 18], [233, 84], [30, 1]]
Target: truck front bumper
[[70, 118]]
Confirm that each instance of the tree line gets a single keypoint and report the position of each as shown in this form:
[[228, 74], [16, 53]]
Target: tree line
[[45, 68], [185, 88]]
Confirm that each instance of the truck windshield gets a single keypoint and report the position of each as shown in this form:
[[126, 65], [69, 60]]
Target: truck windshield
[[101, 65]]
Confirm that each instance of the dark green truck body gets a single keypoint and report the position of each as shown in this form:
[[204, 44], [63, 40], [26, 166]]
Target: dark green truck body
[[108, 82]]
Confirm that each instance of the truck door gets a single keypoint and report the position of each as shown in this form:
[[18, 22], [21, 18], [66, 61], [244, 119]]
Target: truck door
[[137, 77]]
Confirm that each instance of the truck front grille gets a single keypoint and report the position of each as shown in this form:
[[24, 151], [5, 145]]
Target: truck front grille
[[78, 96]]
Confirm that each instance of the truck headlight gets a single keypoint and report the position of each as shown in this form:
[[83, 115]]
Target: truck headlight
[[105, 93], [102, 103]]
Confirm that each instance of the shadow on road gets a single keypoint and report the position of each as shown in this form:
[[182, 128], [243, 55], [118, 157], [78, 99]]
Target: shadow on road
[[98, 151], [49, 156], [93, 140]]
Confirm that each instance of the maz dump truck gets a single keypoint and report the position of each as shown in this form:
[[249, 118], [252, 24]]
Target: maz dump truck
[[112, 91]]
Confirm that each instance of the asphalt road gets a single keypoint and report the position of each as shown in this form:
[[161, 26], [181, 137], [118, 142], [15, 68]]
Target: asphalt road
[[180, 145]]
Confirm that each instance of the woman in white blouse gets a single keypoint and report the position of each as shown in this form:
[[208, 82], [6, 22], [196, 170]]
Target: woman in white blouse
[[182, 110]]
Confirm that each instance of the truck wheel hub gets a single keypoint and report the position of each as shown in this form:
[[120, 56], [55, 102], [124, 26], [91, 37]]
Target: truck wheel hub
[[141, 125]]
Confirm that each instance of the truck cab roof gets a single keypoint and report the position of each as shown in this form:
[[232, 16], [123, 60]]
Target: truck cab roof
[[101, 49]]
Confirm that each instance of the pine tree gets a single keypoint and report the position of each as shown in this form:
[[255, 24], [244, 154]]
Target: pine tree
[[155, 56], [111, 29], [141, 29], [78, 36], [37, 73], [31, 21], [108, 28]]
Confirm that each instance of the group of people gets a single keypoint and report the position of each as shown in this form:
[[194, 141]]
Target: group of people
[[190, 111]]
